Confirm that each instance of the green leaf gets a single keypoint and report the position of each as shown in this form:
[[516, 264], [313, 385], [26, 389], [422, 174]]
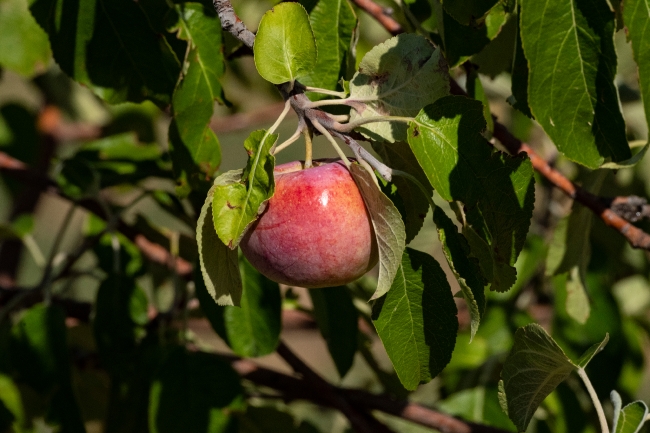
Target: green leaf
[[416, 320], [586, 357], [399, 156], [630, 418], [333, 23], [388, 226], [285, 48], [570, 252], [460, 164], [636, 14], [469, 11], [463, 41], [519, 98], [11, 405], [195, 149], [24, 47], [397, 78], [533, 369], [254, 329], [96, 54], [39, 354], [337, 318], [570, 49], [219, 265], [465, 269], [194, 392], [237, 203]]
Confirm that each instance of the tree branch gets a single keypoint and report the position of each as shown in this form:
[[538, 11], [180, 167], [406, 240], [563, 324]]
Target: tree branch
[[381, 15], [230, 22], [606, 210]]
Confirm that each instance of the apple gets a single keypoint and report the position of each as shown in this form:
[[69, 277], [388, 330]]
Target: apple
[[315, 231]]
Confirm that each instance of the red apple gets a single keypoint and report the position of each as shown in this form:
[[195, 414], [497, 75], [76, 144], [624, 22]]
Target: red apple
[[315, 231]]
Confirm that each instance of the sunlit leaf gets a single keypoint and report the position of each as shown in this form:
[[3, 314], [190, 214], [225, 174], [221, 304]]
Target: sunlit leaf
[[24, 47], [569, 46], [219, 264], [237, 203], [285, 48], [397, 78]]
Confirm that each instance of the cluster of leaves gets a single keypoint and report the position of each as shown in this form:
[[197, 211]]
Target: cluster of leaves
[[562, 76]]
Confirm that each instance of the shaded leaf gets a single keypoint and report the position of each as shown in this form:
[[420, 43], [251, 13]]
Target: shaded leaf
[[468, 12], [24, 47], [586, 357], [195, 149], [254, 329], [95, 54], [630, 418], [194, 392], [333, 23], [463, 41], [219, 265], [465, 269], [399, 156], [497, 189], [570, 49], [388, 225], [337, 318], [237, 203], [533, 369], [416, 320], [519, 98], [39, 353], [391, 82], [285, 48]]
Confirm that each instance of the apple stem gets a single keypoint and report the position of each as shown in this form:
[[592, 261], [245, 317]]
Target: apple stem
[[329, 137], [296, 135], [347, 127], [308, 147], [369, 169], [325, 91]]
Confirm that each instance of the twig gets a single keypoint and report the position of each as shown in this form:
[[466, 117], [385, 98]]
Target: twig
[[634, 235], [361, 420], [231, 22], [379, 13]]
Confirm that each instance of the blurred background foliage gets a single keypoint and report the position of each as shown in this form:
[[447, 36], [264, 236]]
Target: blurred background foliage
[[120, 365]]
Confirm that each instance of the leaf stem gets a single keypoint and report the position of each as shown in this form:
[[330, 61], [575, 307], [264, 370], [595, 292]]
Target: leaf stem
[[329, 137], [362, 121], [594, 399], [326, 92], [279, 147], [287, 107]]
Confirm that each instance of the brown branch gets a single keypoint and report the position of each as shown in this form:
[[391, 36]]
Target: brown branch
[[293, 388], [634, 235], [380, 14], [151, 250], [361, 420], [230, 22]]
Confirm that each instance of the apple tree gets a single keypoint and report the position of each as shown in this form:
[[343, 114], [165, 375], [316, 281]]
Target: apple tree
[[450, 194]]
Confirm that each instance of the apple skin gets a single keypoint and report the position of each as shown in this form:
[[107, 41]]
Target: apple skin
[[315, 231]]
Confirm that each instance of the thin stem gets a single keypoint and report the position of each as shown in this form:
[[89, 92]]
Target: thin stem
[[417, 183], [325, 102], [369, 169], [34, 250], [45, 280], [280, 147], [308, 147], [287, 107], [339, 117], [329, 137], [362, 121], [594, 399], [326, 92]]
